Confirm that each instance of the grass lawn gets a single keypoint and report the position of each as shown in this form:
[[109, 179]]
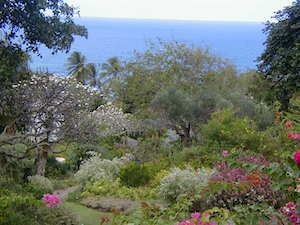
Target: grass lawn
[[85, 215]]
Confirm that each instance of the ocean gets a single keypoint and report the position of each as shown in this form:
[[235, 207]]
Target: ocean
[[239, 42]]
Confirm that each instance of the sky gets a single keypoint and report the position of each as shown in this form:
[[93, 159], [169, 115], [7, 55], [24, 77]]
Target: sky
[[211, 10]]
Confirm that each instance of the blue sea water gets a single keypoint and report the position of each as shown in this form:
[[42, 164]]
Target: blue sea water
[[240, 42]]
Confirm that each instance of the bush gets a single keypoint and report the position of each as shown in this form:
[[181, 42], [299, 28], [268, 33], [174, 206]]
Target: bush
[[9, 183], [21, 209], [224, 129], [97, 168], [134, 175], [105, 187], [183, 182], [56, 216], [150, 148], [41, 182], [39, 185], [234, 186], [17, 209]]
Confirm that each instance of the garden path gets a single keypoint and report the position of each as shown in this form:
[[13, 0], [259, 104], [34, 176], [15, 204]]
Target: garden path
[[63, 193]]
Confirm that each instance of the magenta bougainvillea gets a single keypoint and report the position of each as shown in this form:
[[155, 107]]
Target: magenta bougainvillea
[[51, 200], [297, 157], [290, 211]]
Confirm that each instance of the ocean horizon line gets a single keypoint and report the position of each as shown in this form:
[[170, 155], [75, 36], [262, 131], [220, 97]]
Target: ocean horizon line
[[170, 20]]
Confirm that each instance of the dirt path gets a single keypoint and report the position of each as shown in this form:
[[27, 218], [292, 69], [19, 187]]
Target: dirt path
[[63, 193]]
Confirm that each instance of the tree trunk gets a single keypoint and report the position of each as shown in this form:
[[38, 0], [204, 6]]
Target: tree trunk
[[185, 137], [187, 141], [42, 160]]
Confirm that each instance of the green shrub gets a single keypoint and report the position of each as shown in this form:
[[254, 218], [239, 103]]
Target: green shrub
[[97, 168], [41, 182], [9, 183], [55, 216], [150, 148], [17, 209], [22, 209], [225, 130], [105, 187], [185, 182], [134, 175], [39, 185], [75, 196]]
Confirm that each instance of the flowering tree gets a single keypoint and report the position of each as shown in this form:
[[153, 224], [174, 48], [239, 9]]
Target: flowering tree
[[51, 109], [113, 121]]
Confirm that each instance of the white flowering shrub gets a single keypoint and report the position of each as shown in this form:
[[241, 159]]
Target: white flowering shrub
[[41, 182], [96, 168], [113, 121], [179, 182]]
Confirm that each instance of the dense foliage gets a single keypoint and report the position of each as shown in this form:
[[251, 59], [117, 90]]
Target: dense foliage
[[174, 135], [279, 62], [55, 24]]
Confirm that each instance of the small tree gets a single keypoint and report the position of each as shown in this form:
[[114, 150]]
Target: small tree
[[51, 109], [179, 110]]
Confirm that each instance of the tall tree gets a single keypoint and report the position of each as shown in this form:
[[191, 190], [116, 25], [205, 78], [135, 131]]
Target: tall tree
[[85, 73], [93, 73], [25, 25], [76, 67], [35, 22], [279, 63], [164, 64]]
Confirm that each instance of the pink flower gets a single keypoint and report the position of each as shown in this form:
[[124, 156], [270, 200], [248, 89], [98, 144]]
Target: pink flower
[[288, 124], [294, 219], [297, 136], [186, 223], [51, 200], [195, 215], [297, 157], [225, 153], [291, 205], [294, 136], [290, 135]]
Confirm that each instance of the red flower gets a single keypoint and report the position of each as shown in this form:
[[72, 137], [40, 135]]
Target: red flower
[[257, 181], [288, 124]]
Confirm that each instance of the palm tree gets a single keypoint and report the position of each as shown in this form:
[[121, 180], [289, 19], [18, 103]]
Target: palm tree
[[76, 67], [92, 71], [111, 68]]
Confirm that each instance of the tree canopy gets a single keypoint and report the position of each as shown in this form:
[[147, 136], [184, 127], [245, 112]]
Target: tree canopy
[[30, 23], [280, 61], [164, 64]]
